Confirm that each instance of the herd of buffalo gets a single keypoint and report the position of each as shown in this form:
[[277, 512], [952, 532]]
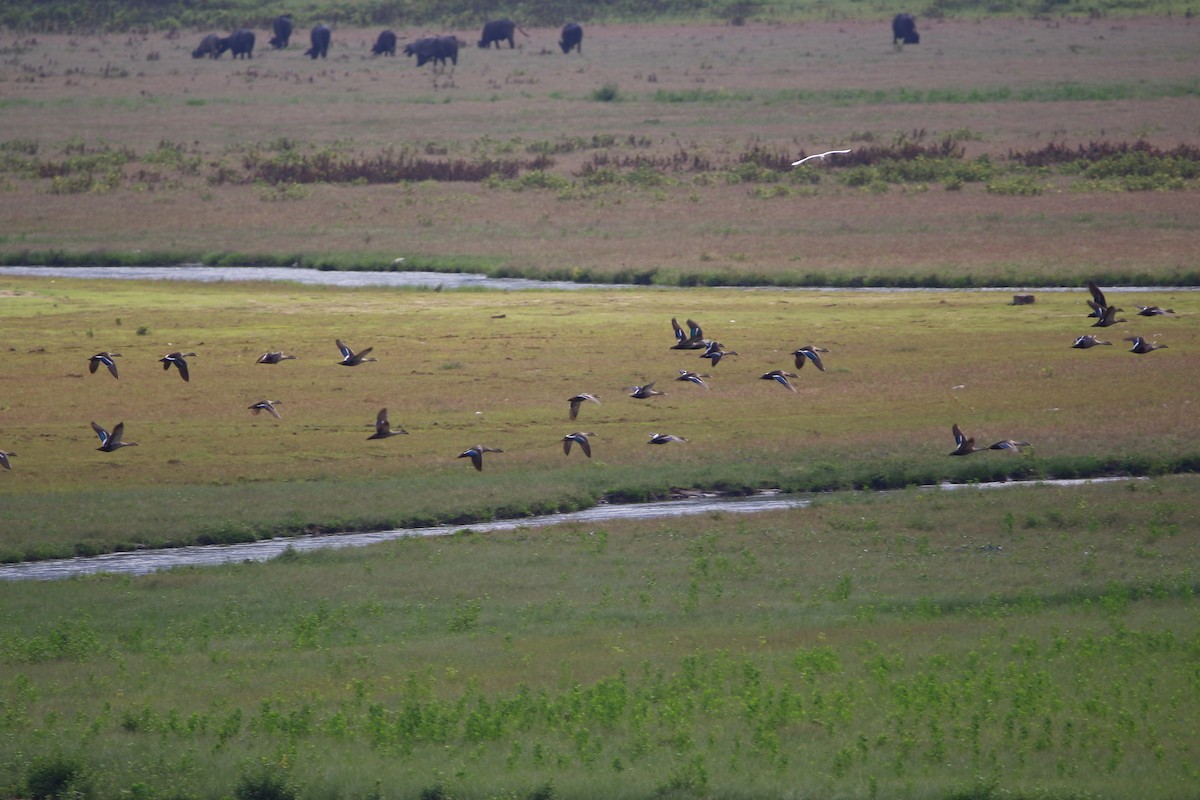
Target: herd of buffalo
[[438, 49]]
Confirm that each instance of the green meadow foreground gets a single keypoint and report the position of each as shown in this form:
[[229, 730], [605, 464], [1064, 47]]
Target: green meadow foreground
[[1023, 643]]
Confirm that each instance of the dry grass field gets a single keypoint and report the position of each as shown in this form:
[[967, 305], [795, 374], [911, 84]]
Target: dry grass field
[[704, 92]]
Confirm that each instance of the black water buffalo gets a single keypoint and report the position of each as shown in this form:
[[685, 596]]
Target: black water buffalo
[[209, 46], [499, 30], [572, 36], [240, 43], [282, 27], [385, 45], [434, 48], [320, 37], [904, 30]]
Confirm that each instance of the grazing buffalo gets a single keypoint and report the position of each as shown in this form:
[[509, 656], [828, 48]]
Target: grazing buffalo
[[320, 37], [385, 45], [499, 30], [282, 26], [209, 46], [572, 36], [240, 43], [904, 30], [434, 48]]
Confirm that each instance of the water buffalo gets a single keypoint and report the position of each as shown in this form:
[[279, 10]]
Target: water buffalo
[[434, 48], [904, 30], [498, 30], [320, 37], [209, 46], [572, 36], [282, 26], [385, 45], [240, 43]]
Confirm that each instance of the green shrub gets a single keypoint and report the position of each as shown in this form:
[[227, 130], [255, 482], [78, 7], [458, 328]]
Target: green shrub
[[1016, 184], [607, 93], [57, 776]]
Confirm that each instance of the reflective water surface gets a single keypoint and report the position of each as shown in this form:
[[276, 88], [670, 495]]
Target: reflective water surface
[[140, 562]]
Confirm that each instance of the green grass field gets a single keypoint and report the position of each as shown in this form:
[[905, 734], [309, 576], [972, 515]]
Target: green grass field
[[1034, 642]]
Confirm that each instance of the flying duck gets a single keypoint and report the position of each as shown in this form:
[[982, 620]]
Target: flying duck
[[664, 438], [1140, 345], [1154, 311], [716, 351], [476, 454], [383, 428], [1108, 317], [809, 353], [966, 446], [643, 392], [780, 377], [178, 360], [693, 339], [350, 358], [267, 406], [4, 459], [1008, 444], [273, 357], [105, 358], [578, 437], [580, 399], [1088, 340], [112, 441], [692, 377]]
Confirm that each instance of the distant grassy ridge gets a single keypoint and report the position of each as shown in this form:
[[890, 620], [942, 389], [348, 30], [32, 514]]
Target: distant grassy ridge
[[117, 15]]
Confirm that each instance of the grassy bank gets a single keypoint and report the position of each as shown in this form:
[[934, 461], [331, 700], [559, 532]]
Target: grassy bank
[[461, 368], [1032, 642]]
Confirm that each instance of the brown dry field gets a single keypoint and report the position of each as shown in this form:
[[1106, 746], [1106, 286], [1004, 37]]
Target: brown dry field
[[54, 89]]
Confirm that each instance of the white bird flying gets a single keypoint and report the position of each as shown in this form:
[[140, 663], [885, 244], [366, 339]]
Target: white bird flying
[[821, 156]]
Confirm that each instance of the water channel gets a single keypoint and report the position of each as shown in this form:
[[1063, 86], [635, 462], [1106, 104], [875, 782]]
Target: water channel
[[445, 280], [141, 562]]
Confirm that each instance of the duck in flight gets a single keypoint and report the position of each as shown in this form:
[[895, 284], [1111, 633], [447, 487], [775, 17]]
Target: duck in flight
[[105, 358], [692, 339], [809, 353], [665, 438], [383, 428], [1088, 340], [693, 377], [580, 438], [273, 357], [644, 392], [112, 441], [476, 454], [579, 400], [178, 360], [780, 377], [351, 358], [267, 406], [1141, 346], [4, 459]]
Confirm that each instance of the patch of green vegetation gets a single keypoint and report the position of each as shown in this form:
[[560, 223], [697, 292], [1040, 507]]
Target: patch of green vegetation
[[864, 641]]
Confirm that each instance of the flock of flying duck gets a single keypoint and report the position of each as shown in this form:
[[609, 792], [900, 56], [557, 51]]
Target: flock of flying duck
[[1105, 316], [691, 338]]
